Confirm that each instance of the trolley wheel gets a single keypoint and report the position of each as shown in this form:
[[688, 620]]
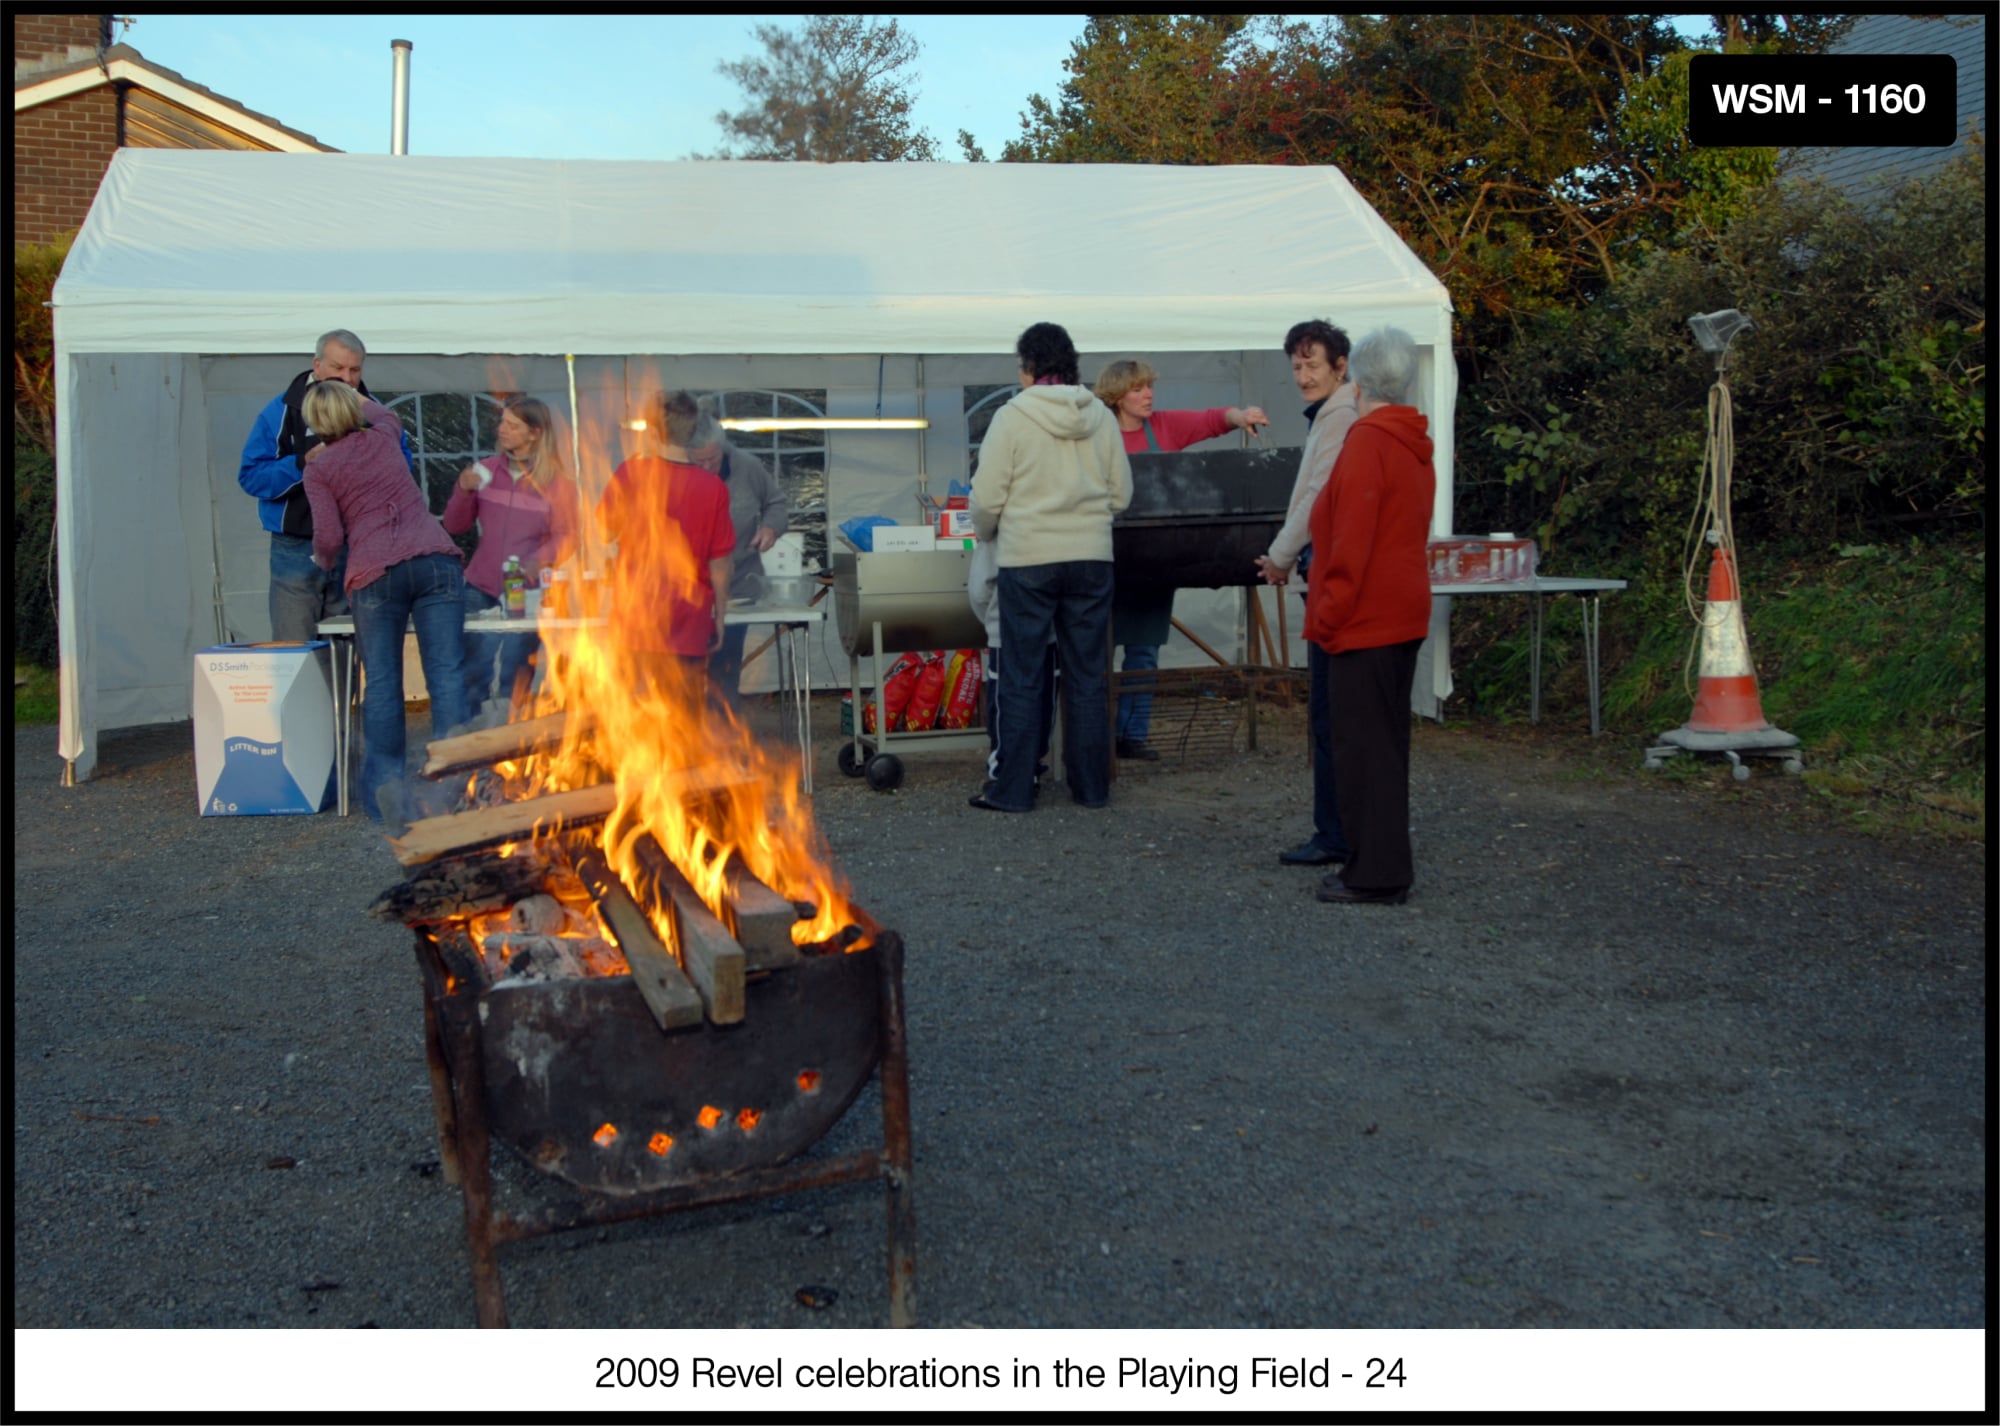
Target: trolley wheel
[[885, 772], [1794, 766], [1741, 772], [1654, 764], [849, 763]]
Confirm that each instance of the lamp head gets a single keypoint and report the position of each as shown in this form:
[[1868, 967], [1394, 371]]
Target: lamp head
[[1716, 330]]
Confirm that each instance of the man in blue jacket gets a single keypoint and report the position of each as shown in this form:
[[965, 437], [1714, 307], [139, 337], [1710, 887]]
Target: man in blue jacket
[[275, 458]]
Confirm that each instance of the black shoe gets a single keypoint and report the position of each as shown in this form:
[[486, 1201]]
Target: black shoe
[[1310, 853], [1335, 890], [1136, 752], [978, 799]]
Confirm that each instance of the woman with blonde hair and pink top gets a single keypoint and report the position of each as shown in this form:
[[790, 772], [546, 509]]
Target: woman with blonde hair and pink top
[[524, 504]]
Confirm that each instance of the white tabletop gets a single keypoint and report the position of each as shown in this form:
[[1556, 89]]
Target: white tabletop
[[774, 614], [494, 622], [341, 626], [1539, 584]]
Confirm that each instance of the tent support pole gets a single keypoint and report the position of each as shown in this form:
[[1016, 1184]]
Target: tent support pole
[[576, 469]]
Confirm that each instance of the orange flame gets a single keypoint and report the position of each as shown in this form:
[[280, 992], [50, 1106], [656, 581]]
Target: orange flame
[[650, 716]]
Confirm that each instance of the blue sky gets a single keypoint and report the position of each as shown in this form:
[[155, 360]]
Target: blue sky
[[578, 86], [573, 86]]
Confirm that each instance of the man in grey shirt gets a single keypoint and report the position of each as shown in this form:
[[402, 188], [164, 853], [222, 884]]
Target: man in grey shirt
[[758, 510]]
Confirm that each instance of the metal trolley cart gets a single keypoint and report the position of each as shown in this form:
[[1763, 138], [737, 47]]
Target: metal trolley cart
[[896, 603]]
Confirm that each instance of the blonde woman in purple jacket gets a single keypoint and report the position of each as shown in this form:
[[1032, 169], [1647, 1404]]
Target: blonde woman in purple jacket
[[402, 569]]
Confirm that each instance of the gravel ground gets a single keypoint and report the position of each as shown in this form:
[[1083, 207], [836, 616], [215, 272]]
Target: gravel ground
[[1641, 1052]]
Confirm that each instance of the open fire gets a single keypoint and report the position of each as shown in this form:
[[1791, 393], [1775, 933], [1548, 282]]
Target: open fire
[[626, 782], [642, 973]]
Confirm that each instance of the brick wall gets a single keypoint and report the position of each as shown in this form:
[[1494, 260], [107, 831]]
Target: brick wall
[[43, 39], [61, 150]]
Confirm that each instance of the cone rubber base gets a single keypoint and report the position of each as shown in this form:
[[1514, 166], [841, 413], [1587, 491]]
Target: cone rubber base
[[1752, 741]]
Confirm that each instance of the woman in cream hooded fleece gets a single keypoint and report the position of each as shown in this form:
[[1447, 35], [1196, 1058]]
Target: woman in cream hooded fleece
[[1052, 474]]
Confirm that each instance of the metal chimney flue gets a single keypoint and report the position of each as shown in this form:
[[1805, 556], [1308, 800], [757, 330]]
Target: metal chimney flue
[[399, 98]]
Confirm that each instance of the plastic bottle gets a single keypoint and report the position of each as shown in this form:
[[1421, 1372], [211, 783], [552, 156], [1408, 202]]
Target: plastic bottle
[[516, 586]]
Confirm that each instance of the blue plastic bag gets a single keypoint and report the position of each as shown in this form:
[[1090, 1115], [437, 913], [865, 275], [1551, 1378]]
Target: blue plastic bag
[[860, 531]]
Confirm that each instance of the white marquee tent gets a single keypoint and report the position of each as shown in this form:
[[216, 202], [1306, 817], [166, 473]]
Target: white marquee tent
[[200, 280]]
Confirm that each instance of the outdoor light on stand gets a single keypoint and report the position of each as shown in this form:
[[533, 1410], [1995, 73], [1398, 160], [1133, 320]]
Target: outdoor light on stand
[[1728, 715], [1716, 330]]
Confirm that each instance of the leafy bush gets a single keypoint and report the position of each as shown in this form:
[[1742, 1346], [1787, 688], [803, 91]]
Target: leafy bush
[[34, 552], [36, 266], [1859, 397]]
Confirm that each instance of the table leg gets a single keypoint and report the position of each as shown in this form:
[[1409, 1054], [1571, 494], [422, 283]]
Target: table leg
[[1593, 623], [801, 651], [343, 726], [1535, 659]]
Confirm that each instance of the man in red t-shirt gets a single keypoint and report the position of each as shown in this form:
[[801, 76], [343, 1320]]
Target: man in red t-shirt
[[676, 544]]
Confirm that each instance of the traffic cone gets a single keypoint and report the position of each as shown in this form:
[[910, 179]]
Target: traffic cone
[[1726, 699], [1728, 715]]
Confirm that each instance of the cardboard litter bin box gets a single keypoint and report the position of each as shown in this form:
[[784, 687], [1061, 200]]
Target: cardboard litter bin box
[[263, 729]]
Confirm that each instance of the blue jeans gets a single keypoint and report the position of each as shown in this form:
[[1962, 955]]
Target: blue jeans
[[725, 665], [302, 593], [514, 650], [429, 592], [1135, 710], [1072, 597], [1327, 830]]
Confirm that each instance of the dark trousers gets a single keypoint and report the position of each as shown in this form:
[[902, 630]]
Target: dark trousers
[[1327, 829], [995, 662], [1072, 597], [1371, 743]]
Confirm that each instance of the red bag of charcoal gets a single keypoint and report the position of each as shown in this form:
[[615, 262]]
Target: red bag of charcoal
[[897, 688], [924, 702], [962, 676]]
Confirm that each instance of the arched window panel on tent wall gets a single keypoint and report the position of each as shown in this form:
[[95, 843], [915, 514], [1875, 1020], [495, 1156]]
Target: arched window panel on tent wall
[[980, 404], [448, 430], [797, 458]]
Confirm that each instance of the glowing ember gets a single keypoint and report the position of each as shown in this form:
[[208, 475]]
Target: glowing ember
[[659, 1144], [605, 1134], [747, 1119], [808, 1081], [709, 1117]]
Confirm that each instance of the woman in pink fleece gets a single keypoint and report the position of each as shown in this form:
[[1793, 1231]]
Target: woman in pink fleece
[[524, 504]]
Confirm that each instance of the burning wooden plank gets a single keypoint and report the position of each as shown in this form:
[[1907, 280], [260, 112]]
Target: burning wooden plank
[[750, 906], [493, 745], [761, 921], [709, 954], [435, 837], [657, 974], [449, 890]]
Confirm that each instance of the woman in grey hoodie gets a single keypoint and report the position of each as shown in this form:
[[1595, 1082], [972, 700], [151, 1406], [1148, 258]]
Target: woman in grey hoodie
[[1052, 474]]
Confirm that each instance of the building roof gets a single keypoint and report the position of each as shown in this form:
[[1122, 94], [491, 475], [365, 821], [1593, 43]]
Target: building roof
[[123, 63], [1863, 170]]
